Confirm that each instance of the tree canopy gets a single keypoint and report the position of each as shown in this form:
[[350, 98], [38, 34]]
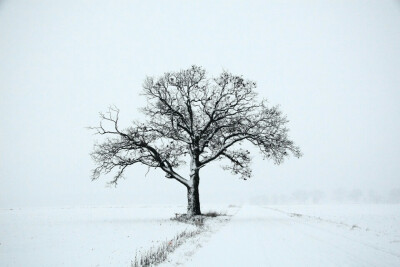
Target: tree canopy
[[190, 114]]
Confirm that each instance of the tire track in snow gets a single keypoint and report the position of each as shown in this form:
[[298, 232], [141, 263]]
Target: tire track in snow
[[264, 237], [344, 226]]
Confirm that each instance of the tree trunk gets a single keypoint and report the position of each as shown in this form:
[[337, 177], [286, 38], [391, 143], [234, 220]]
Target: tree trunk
[[193, 207]]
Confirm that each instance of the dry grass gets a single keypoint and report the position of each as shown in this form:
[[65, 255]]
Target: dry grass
[[197, 220], [213, 214], [157, 255]]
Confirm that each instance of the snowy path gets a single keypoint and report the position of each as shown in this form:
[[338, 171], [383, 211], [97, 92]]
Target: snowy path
[[260, 236]]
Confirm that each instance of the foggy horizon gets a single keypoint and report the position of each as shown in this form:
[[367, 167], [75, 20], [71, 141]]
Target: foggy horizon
[[332, 67]]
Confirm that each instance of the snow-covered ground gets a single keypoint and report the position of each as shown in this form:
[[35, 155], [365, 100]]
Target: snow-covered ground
[[383, 219], [308, 235], [107, 236]]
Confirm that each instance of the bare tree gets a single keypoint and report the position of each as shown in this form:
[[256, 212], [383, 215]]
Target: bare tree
[[192, 116]]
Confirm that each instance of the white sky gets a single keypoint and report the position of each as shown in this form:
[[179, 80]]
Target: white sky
[[333, 66]]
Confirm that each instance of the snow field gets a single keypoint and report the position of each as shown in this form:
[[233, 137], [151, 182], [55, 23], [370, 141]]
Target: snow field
[[104, 236], [295, 235], [283, 236]]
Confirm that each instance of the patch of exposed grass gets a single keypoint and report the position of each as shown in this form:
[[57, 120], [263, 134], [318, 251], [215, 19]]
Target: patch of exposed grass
[[214, 214], [197, 220], [157, 255]]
